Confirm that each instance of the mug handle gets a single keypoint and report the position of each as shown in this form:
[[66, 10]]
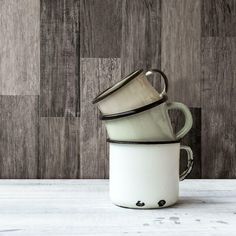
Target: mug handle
[[187, 115], [187, 171], [163, 76]]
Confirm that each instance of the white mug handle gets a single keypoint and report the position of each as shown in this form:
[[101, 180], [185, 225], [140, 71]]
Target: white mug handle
[[187, 115], [163, 76], [187, 171]]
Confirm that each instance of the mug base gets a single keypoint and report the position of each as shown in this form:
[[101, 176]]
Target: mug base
[[161, 204]]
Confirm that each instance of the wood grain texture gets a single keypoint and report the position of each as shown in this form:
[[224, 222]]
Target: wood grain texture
[[180, 52], [83, 207], [141, 36], [19, 47], [218, 18], [193, 41], [18, 136], [59, 148], [59, 54], [100, 28], [192, 139], [218, 107], [96, 75]]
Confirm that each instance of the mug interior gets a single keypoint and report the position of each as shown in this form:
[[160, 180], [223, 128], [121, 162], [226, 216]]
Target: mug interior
[[117, 86]]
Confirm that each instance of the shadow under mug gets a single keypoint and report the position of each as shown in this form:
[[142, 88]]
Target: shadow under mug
[[131, 92], [147, 123], [146, 175]]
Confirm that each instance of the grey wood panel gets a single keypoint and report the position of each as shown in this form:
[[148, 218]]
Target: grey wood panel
[[96, 75], [192, 139], [218, 18], [59, 147], [59, 54], [180, 52], [100, 31], [218, 107], [19, 47], [18, 136], [141, 36]]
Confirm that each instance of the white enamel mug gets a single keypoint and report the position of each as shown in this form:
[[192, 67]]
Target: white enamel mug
[[131, 92], [147, 123], [146, 175]]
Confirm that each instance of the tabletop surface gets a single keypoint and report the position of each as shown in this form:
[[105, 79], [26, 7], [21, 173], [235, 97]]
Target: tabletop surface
[[82, 207]]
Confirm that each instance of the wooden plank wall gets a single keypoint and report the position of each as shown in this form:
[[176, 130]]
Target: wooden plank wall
[[55, 56], [59, 58]]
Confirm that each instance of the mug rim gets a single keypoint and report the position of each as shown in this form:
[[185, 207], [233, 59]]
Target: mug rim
[[142, 142], [134, 111], [128, 78]]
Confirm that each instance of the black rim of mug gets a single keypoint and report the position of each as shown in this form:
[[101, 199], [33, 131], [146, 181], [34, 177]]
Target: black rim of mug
[[142, 142], [128, 78], [134, 111]]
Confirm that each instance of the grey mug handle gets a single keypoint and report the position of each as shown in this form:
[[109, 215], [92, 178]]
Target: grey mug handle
[[163, 76], [187, 171], [187, 115]]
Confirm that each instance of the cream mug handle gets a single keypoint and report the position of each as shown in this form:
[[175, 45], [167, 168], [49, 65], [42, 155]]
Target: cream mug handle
[[163, 76], [187, 115], [186, 172]]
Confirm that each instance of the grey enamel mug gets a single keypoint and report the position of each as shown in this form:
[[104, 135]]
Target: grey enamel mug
[[131, 92], [147, 123]]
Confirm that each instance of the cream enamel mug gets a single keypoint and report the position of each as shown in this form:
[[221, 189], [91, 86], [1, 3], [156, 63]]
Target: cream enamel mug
[[146, 175], [131, 92], [147, 123]]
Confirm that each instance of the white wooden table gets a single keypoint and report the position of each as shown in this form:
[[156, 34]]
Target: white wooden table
[[82, 207]]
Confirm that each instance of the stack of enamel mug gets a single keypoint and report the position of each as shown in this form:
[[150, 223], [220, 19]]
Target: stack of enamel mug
[[144, 150]]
